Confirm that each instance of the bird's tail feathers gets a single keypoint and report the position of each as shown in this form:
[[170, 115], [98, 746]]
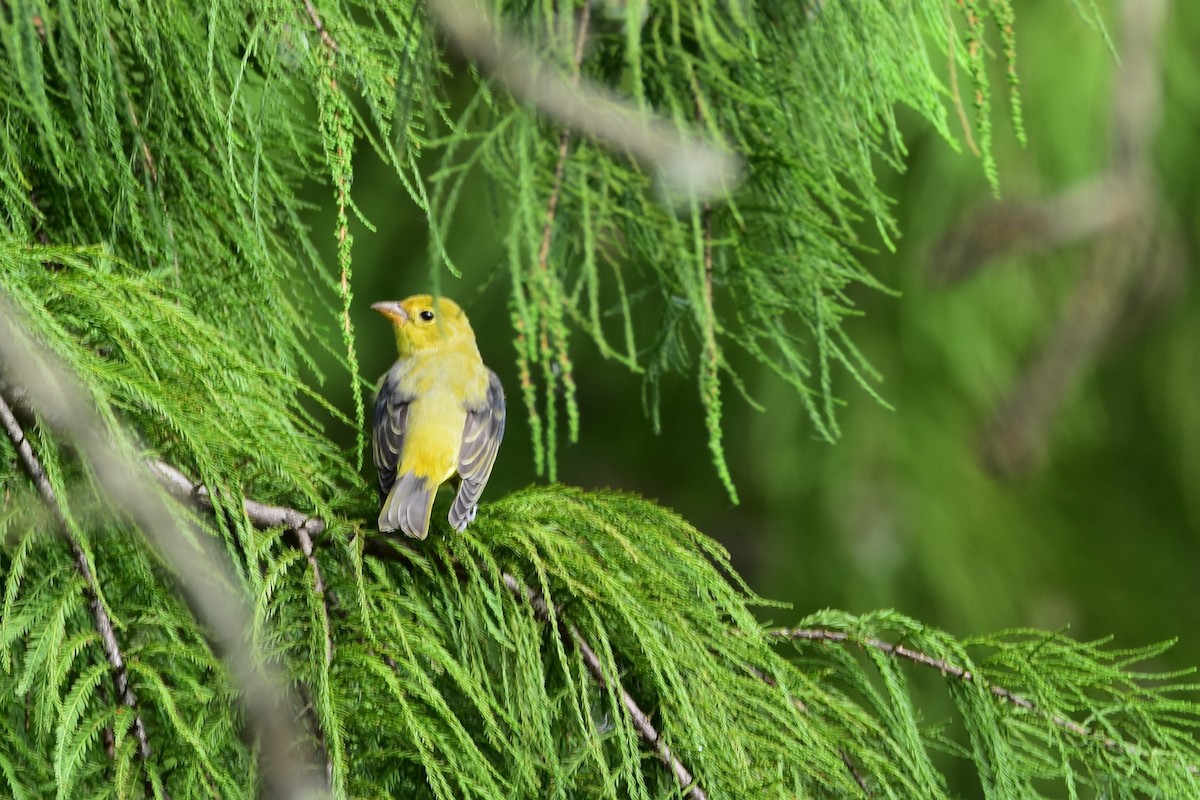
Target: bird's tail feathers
[[408, 506]]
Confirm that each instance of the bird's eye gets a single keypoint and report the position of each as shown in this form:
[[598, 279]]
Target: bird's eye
[[427, 315]]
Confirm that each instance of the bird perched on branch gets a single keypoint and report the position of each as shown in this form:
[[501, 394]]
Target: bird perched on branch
[[438, 412]]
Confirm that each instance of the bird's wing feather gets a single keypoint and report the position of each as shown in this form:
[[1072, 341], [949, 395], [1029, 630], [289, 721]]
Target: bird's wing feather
[[482, 433], [389, 429]]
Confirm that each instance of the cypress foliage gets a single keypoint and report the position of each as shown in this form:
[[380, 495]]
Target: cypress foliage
[[568, 644]]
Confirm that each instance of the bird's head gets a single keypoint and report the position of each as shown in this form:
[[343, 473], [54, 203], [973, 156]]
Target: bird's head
[[424, 322]]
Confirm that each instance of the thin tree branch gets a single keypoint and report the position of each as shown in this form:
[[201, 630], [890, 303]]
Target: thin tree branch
[[564, 144], [100, 618], [964, 675], [955, 96], [946, 668], [261, 515], [641, 722], [326, 37], [306, 545], [859, 778]]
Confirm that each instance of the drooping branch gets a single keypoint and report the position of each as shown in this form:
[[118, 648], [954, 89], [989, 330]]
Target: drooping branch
[[946, 668], [957, 672], [100, 618], [335, 117], [550, 337], [641, 722]]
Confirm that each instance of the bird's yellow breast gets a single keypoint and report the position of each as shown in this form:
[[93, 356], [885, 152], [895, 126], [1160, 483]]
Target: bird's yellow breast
[[444, 385]]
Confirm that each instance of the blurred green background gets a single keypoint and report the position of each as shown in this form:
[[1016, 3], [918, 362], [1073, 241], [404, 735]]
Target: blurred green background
[[1100, 534]]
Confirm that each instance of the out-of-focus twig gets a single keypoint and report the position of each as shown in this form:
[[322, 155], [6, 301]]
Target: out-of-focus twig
[[262, 515], [1030, 227], [204, 576], [1017, 433], [1135, 259], [686, 165]]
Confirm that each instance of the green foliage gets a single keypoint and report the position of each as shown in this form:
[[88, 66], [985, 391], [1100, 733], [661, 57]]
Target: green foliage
[[445, 682], [175, 378], [807, 93], [154, 239], [1041, 714]]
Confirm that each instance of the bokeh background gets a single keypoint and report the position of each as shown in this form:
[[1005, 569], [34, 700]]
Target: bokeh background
[[1078, 510]]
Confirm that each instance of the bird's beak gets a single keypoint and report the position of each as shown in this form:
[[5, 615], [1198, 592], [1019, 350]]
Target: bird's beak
[[392, 310]]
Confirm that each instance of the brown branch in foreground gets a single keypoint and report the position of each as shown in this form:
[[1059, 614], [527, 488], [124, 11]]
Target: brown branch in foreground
[[641, 722], [100, 617]]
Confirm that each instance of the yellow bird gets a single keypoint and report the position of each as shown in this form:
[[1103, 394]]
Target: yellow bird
[[438, 411]]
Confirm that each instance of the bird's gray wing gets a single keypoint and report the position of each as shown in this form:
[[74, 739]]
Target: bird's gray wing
[[481, 440], [404, 500], [388, 430]]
